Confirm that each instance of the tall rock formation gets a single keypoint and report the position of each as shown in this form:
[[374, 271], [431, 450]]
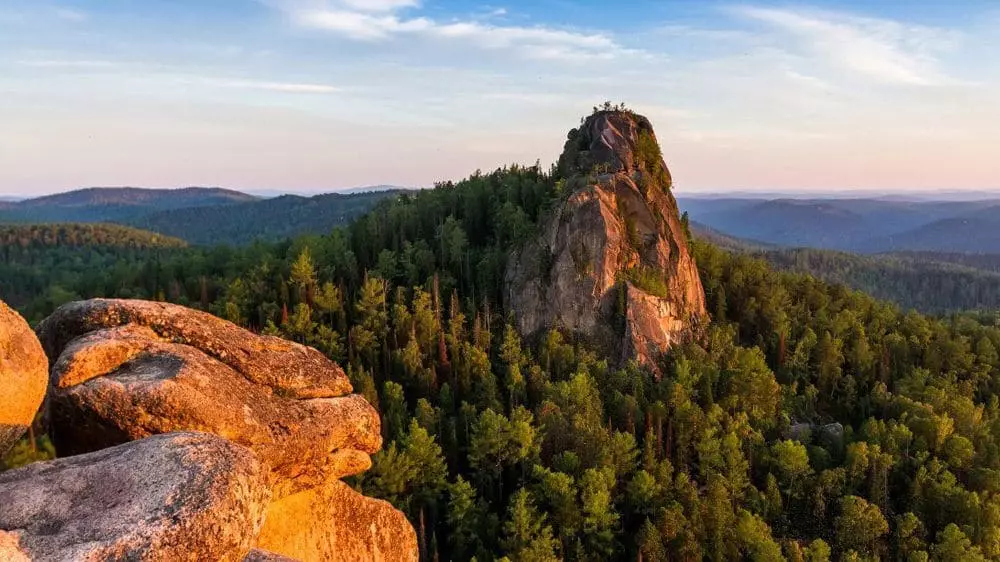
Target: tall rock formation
[[612, 261], [23, 377]]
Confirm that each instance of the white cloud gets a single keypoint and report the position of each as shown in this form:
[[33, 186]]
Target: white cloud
[[288, 87], [68, 63], [884, 50], [380, 5], [69, 14], [380, 20], [358, 25]]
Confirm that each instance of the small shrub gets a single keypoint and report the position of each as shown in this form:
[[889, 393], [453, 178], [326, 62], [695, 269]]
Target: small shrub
[[648, 279]]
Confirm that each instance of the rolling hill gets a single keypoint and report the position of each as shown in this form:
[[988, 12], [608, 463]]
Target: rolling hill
[[855, 225], [22, 236], [115, 204], [931, 282], [202, 216], [977, 232], [267, 219]]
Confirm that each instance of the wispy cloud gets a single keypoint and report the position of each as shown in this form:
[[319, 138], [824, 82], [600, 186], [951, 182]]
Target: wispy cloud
[[68, 63], [287, 87], [69, 14], [381, 20], [884, 50]]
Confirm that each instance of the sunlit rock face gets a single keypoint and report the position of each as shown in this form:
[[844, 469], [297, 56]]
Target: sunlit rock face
[[334, 523], [125, 369], [612, 261], [23, 376], [189, 438]]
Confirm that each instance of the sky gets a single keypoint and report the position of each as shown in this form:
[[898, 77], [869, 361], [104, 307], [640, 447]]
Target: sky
[[316, 95]]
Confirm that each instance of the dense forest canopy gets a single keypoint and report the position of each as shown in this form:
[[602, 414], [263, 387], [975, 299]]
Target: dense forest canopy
[[14, 237], [931, 282], [811, 422]]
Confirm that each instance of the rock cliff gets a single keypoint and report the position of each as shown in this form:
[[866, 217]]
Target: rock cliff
[[612, 261], [190, 439]]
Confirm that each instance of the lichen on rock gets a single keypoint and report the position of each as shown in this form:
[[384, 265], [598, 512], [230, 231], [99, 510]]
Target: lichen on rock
[[170, 498]]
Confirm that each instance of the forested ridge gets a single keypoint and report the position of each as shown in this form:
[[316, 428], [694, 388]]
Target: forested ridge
[[201, 216], [34, 236], [266, 219], [43, 266], [931, 282]]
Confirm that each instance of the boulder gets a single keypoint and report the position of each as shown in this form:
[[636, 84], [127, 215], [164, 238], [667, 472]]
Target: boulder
[[175, 497], [337, 524], [611, 262], [293, 370], [23, 377], [832, 435], [124, 370]]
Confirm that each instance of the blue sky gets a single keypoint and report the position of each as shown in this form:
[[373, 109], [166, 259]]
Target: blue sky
[[311, 95]]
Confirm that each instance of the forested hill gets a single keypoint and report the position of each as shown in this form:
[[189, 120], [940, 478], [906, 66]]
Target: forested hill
[[15, 237], [913, 280], [856, 225], [114, 204], [267, 219], [43, 266], [933, 283], [810, 422], [201, 216]]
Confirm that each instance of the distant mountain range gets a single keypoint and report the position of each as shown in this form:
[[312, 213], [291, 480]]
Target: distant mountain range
[[208, 216], [198, 215], [855, 225], [266, 193]]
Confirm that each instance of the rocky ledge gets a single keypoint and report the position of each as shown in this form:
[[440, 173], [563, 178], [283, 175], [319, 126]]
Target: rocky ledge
[[125, 370]]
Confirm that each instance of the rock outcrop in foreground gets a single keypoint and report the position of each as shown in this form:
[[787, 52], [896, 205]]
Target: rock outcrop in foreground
[[23, 375], [325, 522], [125, 370], [195, 440], [612, 262], [183, 496]]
